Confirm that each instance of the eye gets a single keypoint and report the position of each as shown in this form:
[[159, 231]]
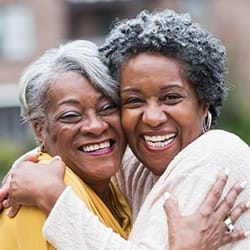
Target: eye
[[172, 99], [108, 108], [132, 102], [70, 117]]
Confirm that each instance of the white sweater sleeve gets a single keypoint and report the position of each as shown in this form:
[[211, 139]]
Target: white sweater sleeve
[[71, 225]]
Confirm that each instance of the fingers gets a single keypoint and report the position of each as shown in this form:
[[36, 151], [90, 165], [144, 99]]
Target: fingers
[[214, 194], [6, 203], [171, 207], [239, 210], [234, 236], [227, 204], [4, 190], [13, 207], [56, 160], [58, 165], [4, 193], [13, 210], [23, 187], [33, 157], [1, 206]]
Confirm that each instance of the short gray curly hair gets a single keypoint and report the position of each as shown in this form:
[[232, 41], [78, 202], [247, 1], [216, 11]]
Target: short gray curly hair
[[79, 56], [177, 36]]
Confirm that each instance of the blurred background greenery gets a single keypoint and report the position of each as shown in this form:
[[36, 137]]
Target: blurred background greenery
[[10, 151], [47, 23]]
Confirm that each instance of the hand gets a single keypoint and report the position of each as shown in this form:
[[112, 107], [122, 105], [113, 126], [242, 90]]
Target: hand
[[4, 192], [6, 181], [205, 229], [36, 184]]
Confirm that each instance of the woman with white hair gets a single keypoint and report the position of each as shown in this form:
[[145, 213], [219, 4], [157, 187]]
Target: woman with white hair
[[70, 100]]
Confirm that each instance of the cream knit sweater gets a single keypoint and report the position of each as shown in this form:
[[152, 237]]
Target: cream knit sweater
[[189, 176]]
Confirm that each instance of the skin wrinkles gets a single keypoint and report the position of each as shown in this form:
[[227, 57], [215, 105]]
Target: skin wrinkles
[[159, 104], [79, 116]]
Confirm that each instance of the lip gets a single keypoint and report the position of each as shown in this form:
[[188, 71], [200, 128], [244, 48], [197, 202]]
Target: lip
[[157, 132]]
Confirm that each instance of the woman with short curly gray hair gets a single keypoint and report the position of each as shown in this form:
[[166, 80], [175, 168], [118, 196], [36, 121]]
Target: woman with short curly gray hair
[[171, 73], [177, 36]]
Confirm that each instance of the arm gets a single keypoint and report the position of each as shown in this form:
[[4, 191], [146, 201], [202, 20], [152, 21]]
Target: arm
[[70, 211], [24, 188], [70, 217], [189, 177]]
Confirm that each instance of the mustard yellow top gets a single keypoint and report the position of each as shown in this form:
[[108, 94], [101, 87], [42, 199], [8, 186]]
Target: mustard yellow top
[[24, 232]]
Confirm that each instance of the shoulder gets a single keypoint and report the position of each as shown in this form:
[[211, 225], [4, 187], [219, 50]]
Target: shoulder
[[218, 135], [213, 151], [218, 141]]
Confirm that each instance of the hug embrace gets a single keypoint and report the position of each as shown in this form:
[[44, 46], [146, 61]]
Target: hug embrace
[[156, 84]]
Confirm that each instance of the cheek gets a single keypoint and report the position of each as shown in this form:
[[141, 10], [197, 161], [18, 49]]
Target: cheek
[[57, 135], [128, 120], [191, 126], [114, 124], [52, 132], [190, 115], [120, 131]]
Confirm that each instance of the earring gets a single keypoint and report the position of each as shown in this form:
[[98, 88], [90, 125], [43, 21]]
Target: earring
[[206, 124], [41, 149]]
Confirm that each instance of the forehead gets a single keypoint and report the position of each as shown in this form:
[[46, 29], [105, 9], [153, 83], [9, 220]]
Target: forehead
[[149, 62], [72, 83], [73, 89], [148, 68]]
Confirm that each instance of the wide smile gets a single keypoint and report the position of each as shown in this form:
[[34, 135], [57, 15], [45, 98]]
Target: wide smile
[[159, 141], [98, 148]]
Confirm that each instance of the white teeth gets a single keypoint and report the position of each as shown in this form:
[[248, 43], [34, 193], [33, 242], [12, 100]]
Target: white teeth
[[95, 147], [158, 138], [159, 141]]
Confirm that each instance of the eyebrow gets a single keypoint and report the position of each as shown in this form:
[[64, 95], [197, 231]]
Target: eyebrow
[[74, 101], [130, 90], [172, 86], [70, 100], [162, 88]]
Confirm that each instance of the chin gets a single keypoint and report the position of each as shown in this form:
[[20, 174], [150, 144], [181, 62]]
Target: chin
[[157, 170]]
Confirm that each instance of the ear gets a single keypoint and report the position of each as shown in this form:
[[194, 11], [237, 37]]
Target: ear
[[38, 128], [205, 109]]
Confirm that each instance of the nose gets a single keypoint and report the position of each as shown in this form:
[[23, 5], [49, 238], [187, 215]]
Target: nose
[[153, 115], [93, 124]]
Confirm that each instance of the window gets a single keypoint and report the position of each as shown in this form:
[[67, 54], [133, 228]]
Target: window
[[17, 37], [11, 125]]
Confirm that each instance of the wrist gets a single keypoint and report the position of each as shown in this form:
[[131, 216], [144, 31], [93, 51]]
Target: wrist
[[47, 203]]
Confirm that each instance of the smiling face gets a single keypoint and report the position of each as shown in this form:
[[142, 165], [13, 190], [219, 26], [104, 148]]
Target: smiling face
[[83, 127], [160, 111]]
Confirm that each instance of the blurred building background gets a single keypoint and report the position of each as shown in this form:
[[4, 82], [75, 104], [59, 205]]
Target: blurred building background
[[29, 27]]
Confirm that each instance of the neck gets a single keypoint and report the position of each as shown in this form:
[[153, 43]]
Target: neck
[[104, 193], [101, 189]]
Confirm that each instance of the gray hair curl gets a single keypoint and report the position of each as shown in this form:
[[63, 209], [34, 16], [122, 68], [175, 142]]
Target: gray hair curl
[[177, 36], [79, 56]]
